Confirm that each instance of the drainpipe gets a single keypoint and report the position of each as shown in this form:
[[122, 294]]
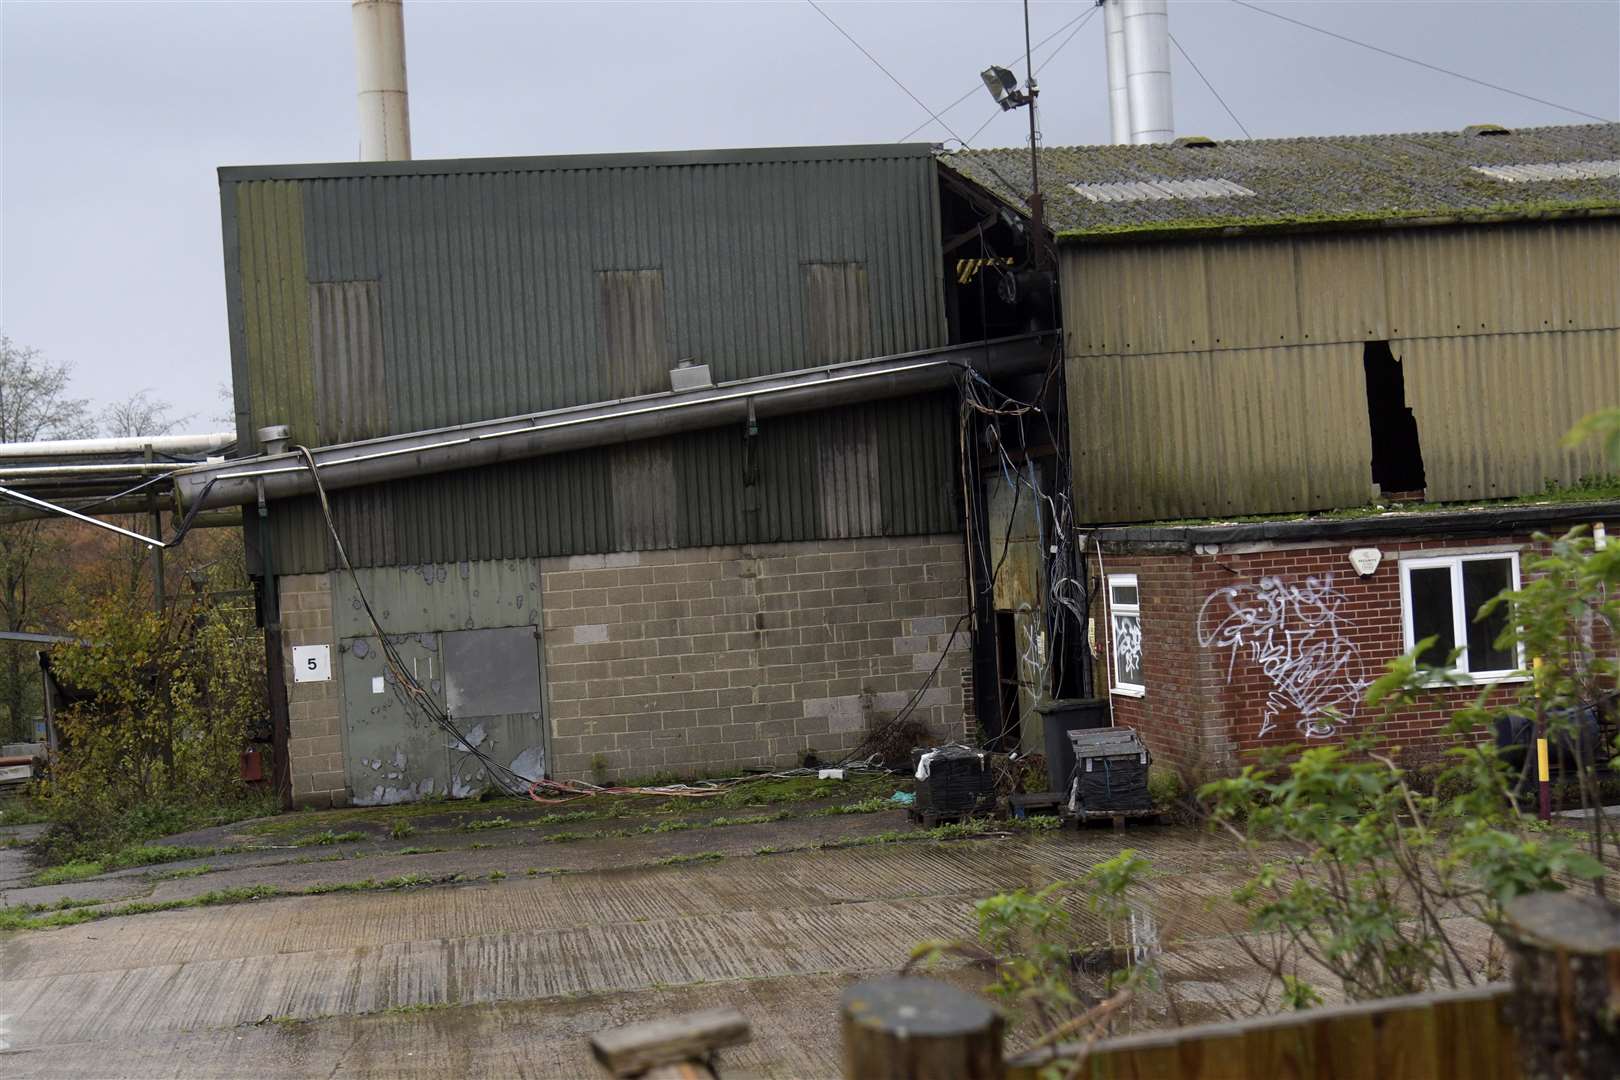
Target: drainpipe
[[379, 59], [1147, 70]]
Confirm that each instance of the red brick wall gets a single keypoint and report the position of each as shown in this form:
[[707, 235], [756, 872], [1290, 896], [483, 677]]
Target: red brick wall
[[1207, 701]]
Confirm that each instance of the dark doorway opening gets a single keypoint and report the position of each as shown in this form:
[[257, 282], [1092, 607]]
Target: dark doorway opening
[[1397, 456]]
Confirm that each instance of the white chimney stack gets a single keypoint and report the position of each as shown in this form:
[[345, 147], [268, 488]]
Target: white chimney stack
[[379, 55], [1119, 97], [1147, 69]]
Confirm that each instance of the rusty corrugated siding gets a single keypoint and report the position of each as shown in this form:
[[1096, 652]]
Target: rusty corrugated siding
[[517, 285], [1224, 378]]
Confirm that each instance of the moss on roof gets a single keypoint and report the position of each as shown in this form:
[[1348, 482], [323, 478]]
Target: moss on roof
[[1359, 181]]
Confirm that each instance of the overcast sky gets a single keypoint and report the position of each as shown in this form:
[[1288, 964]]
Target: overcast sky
[[116, 115]]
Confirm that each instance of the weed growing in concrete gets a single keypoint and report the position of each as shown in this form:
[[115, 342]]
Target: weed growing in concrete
[[400, 829], [418, 850], [487, 823], [329, 837], [182, 872], [479, 847], [700, 856], [497, 875], [865, 806]]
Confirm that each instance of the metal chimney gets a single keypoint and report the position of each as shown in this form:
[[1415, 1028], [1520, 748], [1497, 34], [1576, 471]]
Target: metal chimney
[[379, 56], [1119, 98], [1147, 70]]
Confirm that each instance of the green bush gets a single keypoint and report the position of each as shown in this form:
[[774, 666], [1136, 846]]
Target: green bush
[[1165, 786], [153, 748]]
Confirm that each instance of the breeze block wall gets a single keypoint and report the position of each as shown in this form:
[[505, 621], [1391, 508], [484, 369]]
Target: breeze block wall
[[1218, 687], [705, 660], [315, 724]]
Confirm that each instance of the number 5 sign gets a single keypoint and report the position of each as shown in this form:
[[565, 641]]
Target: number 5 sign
[[312, 663]]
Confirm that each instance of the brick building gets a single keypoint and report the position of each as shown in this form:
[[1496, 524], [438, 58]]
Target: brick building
[[1259, 332]]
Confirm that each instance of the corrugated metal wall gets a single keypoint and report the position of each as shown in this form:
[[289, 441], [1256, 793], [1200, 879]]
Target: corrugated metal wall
[[885, 469], [1225, 377], [406, 296]]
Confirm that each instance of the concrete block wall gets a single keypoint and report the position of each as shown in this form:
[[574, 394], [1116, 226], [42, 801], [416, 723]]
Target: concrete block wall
[[315, 743], [705, 660]]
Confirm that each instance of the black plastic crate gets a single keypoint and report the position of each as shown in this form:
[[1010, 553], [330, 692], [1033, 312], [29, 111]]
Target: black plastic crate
[[1110, 771], [959, 782]]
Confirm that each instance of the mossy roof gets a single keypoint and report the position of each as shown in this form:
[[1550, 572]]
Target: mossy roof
[[1308, 183]]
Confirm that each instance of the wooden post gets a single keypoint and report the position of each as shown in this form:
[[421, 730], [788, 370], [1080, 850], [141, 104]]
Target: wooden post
[[1566, 984], [679, 1048], [919, 1029]]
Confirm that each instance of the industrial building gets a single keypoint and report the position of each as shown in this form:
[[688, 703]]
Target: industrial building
[[1258, 334], [644, 463]]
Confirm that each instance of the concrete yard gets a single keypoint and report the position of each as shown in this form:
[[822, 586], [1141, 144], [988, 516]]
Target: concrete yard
[[509, 974]]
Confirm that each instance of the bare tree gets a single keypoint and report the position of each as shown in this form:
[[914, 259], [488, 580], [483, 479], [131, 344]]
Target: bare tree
[[138, 415], [34, 404]]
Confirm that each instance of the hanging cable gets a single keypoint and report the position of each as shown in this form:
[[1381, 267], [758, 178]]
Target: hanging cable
[[979, 86], [1210, 86], [1423, 64], [885, 71]]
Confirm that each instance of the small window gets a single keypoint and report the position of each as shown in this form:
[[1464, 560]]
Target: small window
[[1441, 598], [1125, 625]]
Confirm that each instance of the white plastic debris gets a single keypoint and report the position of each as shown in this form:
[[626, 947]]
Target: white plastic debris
[[831, 774]]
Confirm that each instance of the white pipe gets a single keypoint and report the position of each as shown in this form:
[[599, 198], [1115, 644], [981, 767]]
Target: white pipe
[[205, 443], [1119, 98], [379, 60], [1147, 70]]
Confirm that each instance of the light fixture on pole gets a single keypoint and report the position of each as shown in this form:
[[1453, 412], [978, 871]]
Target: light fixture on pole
[[1003, 86]]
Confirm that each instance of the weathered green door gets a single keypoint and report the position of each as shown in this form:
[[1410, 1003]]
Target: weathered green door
[[395, 752]]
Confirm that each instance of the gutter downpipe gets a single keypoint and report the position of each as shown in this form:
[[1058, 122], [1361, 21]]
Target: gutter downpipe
[[281, 476]]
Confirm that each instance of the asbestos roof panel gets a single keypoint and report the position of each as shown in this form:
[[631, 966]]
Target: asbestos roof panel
[[1551, 170], [1308, 182]]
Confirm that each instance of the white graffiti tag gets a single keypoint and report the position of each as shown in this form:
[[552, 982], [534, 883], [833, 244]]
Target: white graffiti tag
[[1298, 636]]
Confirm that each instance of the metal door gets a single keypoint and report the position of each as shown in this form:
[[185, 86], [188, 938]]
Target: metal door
[[395, 752], [492, 689]]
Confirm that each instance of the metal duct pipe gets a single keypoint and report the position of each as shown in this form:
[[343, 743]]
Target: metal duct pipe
[[132, 468], [1147, 70], [379, 60], [206, 443], [1119, 97], [283, 476]]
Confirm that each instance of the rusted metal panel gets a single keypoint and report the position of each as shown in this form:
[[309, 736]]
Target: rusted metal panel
[[1197, 434], [1523, 393], [347, 350], [635, 334]]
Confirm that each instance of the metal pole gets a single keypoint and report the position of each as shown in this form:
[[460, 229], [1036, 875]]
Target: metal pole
[[1119, 98], [75, 515], [1037, 233], [158, 591]]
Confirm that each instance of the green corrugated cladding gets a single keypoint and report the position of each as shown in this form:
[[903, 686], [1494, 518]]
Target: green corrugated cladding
[[486, 280], [723, 492]]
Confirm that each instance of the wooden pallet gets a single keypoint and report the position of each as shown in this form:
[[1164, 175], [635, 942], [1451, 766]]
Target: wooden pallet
[[928, 818], [1117, 817]]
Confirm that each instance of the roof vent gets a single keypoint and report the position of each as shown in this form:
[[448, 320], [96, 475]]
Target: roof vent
[[1195, 141], [1486, 129]]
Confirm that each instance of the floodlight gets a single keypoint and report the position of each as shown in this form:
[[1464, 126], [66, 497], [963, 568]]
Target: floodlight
[[1003, 86]]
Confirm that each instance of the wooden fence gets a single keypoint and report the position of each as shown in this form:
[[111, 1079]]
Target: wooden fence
[[1451, 1035]]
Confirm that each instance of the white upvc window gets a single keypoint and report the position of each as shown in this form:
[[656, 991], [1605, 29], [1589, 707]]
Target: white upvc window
[[1441, 596], [1125, 635]]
